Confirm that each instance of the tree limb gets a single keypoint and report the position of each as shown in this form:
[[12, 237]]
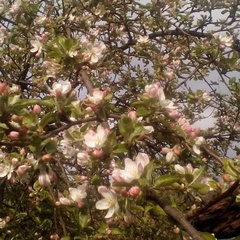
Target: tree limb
[[175, 214]]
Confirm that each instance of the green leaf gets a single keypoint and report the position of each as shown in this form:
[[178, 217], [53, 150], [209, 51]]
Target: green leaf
[[148, 171], [66, 238], [166, 180], [230, 167], [159, 210], [111, 142], [35, 143], [197, 173], [3, 125], [136, 133], [142, 111], [148, 208], [207, 236], [125, 126], [189, 177], [121, 148], [47, 224], [22, 103], [46, 119], [83, 220], [116, 231], [200, 188]]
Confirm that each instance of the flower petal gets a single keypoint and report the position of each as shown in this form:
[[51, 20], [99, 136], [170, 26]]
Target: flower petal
[[106, 193], [102, 204], [110, 212]]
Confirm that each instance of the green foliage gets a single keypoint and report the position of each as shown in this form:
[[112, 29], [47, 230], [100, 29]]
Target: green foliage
[[85, 85]]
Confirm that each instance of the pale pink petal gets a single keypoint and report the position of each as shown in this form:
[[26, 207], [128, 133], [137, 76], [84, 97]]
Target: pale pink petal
[[106, 193], [142, 159], [102, 204], [110, 212]]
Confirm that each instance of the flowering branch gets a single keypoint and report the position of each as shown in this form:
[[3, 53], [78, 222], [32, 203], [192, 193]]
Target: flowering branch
[[67, 126]]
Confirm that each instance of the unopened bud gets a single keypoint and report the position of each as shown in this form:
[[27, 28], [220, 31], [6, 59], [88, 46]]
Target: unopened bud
[[37, 109], [22, 169], [46, 157], [44, 180], [13, 135], [133, 115], [3, 88], [16, 118], [97, 153], [134, 191], [14, 161]]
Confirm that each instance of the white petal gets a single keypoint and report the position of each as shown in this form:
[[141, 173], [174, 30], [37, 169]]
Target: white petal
[[102, 204], [196, 149], [128, 176], [130, 165], [106, 193], [94, 58], [143, 159], [110, 212], [178, 168]]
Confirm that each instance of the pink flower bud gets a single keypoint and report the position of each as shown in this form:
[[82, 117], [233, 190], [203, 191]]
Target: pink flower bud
[[133, 115], [165, 150], [89, 109], [129, 218], [65, 201], [58, 93], [124, 192], [177, 150], [44, 180], [13, 135], [173, 113], [134, 191], [38, 55], [3, 88], [97, 153], [46, 157], [37, 109], [22, 151], [22, 169], [80, 203], [57, 203], [83, 178], [105, 92], [116, 176], [108, 231], [16, 118], [52, 176], [14, 161]]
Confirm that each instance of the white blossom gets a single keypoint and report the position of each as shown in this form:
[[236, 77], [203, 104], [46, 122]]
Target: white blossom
[[133, 169], [109, 202], [199, 141], [6, 170], [95, 139], [79, 193], [143, 39], [96, 97], [60, 88], [94, 51], [36, 46]]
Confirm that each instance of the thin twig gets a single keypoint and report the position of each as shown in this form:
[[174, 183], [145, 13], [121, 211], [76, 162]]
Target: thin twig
[[67, 126]]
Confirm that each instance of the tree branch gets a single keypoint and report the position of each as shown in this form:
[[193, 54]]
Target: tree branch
[[175, 214]]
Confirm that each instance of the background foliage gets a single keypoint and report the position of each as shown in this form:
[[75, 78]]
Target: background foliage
[[87, 84]]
